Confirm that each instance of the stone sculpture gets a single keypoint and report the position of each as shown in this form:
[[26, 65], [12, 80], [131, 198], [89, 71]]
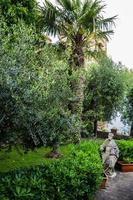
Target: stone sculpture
[[110, 154]]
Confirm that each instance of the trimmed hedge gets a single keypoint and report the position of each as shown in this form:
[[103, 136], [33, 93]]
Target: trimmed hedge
[[76, 176], [126, 150]]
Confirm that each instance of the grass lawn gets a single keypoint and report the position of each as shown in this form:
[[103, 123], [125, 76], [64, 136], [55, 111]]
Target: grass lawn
[[14, 160]]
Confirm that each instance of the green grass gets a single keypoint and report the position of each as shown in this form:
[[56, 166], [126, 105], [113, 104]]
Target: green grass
[[14, 160]]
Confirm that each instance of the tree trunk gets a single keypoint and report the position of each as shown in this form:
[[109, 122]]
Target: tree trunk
[[54, 153], [95, 128], [78, 84], [131, 132]]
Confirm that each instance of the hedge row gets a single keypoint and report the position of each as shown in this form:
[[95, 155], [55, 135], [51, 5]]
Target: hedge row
[[76, 176]]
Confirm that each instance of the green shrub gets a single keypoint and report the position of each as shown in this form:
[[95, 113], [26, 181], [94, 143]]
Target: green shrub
[[76, 176], [126, 150]]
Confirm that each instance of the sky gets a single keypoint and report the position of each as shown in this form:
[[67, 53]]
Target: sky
[[120, 47]]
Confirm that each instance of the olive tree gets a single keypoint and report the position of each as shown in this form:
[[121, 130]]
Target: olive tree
[[104, 92], [34, 90]]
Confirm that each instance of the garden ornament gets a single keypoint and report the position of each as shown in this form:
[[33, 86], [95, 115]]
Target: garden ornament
[[110, 154]]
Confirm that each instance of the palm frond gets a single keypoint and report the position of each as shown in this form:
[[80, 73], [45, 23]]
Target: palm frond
[[106, 23], [104, 34], [97, 7], [65, 4], [71, 17], [51, 18], [90, 10]]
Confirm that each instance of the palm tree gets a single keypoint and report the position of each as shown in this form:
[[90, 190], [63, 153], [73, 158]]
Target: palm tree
[[80, 22]]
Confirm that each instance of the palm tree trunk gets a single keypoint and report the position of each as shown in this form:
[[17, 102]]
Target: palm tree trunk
[[78, 84]]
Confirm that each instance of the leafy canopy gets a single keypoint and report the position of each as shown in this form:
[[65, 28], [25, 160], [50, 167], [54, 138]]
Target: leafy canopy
[[15, 10], [34, 89], [69, 17], [104, 92]]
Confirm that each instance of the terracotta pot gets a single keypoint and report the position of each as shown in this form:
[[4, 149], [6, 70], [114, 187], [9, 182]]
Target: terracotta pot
[[104, 182], [125, 167]]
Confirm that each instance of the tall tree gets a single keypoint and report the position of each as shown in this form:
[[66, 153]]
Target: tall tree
[[81, 23]]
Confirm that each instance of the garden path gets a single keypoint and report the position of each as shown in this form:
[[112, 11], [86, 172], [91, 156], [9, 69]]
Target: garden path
[[118, 188]]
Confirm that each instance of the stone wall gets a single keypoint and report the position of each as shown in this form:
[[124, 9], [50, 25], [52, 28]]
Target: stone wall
[[104, 135]]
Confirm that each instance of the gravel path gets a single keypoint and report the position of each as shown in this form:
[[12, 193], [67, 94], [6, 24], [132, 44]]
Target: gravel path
[[118, 188]]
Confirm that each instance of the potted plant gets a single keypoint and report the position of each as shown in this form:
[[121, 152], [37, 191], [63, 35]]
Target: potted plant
[[125, 162], [126, 165]]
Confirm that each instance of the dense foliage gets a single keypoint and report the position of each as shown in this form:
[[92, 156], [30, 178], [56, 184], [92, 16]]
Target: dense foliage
[[126, 150], [15, 10], [41, 94], [76, 176], [104, 93], [34, 90], [127, 77], [128, 109]]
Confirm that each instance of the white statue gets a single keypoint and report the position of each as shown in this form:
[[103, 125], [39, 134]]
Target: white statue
[[110, 154]]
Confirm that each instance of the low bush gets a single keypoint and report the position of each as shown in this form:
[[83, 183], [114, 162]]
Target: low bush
[[76, 176], [126, 150]]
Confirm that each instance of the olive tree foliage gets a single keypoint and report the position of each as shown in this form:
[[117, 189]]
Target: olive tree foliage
[[127, 78], [104, 93], [15, 10], [34, 90]]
